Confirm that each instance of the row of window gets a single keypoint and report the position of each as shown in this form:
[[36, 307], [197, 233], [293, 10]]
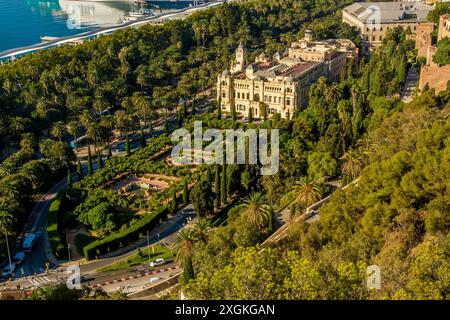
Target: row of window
[[387, 28]]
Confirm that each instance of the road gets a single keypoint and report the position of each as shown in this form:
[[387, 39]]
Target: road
[[18, 52], [410, 84], [311, 214], [35, 263]]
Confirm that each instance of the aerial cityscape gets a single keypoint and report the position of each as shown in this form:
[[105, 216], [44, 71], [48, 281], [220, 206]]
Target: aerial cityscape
[[224, 150]]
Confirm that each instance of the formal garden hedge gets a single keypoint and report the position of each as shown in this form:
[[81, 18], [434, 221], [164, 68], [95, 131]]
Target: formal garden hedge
[[53, 226], [125, 237]]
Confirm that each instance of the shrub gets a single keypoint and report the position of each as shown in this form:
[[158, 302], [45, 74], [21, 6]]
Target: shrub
[[123, 238], [53, 226]]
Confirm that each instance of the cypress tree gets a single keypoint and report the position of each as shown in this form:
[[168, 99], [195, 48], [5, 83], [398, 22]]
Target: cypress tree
[[185, 192], [109, 152], [180, 118], [208, 175], [99, 161], [250, 115], [166, 126], [233, 112], [79, 170], [223, 185], [217, 188], [127, 145], [174, 205], [185, 113], [188, 270], [90, 168], [143, 142], [288, 115], [69, 179], [150, 128], [219, 111]]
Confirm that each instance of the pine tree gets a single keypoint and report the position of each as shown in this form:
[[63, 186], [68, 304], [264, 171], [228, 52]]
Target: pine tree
[[90, 168], [127, 145], [69, 179], [79, 170], [185, 192], [143, 142], [99, 161]]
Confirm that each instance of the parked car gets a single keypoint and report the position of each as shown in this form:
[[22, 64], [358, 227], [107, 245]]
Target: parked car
[[18, 257], [154, 279], [158, 262], [8, 270]]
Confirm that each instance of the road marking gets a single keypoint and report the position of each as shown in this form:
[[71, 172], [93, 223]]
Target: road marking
[[39, 281]]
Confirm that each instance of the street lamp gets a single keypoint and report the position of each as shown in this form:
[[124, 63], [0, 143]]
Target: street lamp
[[148, 246], [68, 250], [9, 253]]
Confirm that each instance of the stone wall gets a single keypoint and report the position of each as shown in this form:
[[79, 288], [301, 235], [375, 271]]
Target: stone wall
[[436, 77], [423, 38]]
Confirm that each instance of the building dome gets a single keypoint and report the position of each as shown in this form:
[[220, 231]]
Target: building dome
[[226, 72]]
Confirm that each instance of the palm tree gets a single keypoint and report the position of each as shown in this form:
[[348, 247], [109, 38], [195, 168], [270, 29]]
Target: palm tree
[[108, 123], [72, 128], [94, 132], [11, 188], [6, 220], [353, 163], [308, 191], [57, 130], [27, 141], [256, 210], [184, 244], [202, 229], [86, 118]]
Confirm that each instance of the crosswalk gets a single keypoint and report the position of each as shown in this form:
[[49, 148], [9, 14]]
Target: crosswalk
[[39, 281]]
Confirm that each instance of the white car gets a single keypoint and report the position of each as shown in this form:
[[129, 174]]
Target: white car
[[154, 279], [157, 262], [18, 257], [7, 271]]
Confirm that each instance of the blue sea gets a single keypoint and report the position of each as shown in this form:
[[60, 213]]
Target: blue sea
[[23, 22]]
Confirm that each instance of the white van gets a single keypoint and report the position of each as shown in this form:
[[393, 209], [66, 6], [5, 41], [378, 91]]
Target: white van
[[157, 262]]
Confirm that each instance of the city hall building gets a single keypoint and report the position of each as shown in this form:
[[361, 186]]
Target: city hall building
[[279, 84]]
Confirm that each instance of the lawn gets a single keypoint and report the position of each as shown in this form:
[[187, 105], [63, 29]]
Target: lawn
[[140, 258]]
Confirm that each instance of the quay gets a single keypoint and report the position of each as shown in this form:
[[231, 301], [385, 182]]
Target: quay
[[50, 42]]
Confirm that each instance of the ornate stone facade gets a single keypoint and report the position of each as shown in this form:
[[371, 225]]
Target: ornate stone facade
[[279, 84]]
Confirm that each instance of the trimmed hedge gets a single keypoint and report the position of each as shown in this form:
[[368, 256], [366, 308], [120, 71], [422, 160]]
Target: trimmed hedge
[[123, 238], [54, 211]]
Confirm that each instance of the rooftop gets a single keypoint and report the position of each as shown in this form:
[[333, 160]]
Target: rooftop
[[389, 11]]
